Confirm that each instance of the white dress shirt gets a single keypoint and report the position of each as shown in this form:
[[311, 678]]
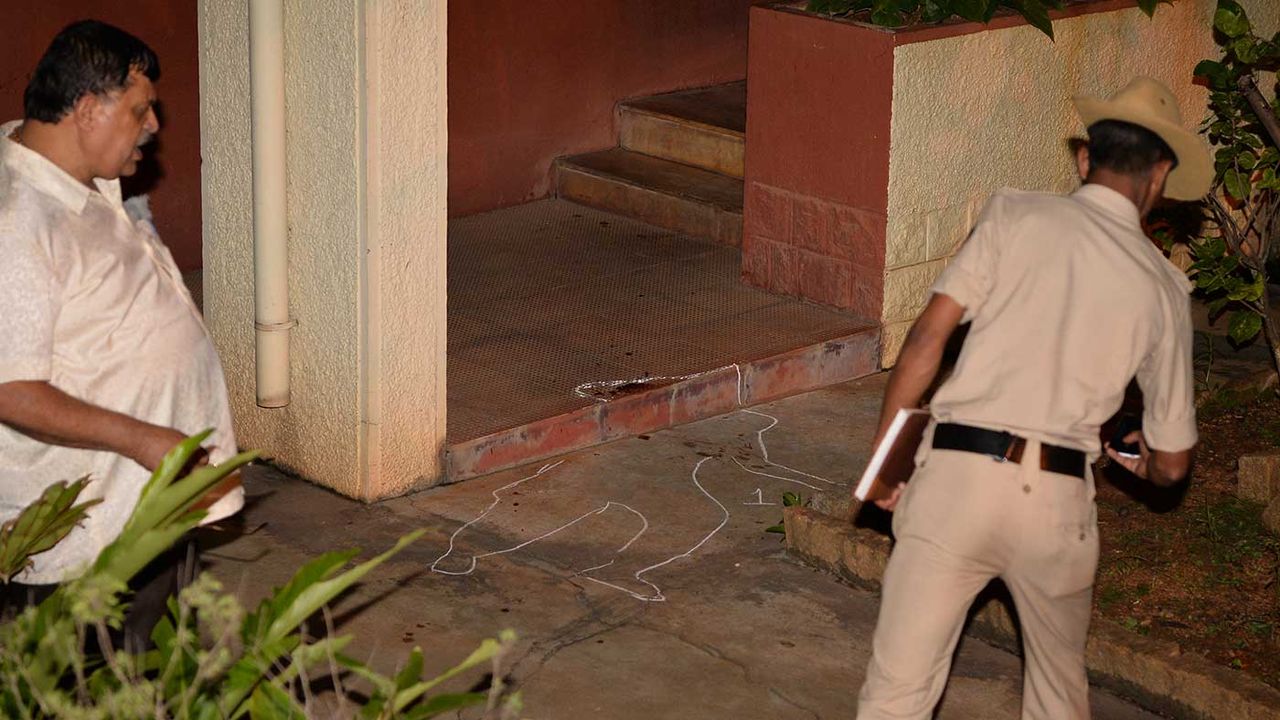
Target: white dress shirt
[[92, 303]]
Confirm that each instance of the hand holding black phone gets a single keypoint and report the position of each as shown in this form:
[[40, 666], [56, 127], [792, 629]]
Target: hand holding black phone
[[1127, 424]]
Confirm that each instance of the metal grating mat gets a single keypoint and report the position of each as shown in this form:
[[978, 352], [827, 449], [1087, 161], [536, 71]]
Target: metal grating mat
[[546, 296]]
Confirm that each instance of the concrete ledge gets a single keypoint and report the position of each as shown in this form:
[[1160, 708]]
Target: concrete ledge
[[702, 396], [1155, 673]]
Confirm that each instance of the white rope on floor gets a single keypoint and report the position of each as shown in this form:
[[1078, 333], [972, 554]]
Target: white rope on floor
[[584, 390]]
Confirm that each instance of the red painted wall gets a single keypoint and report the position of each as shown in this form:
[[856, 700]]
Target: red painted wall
[[817, 199], [531, 80], [171, 172], [817, 174]]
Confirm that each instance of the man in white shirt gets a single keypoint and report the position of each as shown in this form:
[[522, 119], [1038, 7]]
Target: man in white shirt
[[105, 363]]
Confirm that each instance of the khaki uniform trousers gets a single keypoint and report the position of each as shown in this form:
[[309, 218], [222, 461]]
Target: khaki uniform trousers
[[964, 519]]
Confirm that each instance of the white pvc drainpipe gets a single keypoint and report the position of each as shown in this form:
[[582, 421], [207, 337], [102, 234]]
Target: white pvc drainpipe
[[270, 226]]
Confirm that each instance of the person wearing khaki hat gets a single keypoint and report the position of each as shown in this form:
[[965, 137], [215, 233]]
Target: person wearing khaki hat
[[1147, 103], [1067, 301]]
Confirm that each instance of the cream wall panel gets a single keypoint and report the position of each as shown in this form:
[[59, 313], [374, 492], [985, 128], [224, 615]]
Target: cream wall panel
[[408, 171], [316, 434], [367, 180], [892, 337], [907, 289]]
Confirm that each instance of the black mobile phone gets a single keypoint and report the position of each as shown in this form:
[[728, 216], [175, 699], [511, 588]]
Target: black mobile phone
[[1127, 424]]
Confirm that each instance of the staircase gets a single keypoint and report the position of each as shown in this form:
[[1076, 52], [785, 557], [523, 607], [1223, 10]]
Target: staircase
[[678, 164], [571, 327]]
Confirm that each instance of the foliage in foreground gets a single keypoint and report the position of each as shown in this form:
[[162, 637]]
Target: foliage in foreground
[[1243, 209], [899, 13], [212, 660]]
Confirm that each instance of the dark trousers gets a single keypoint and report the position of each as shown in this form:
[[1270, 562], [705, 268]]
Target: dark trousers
[[148, 602]]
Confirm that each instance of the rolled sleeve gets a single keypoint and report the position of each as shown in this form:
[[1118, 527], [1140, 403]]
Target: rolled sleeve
[[970, 275], [28, 309], [1168, 385]]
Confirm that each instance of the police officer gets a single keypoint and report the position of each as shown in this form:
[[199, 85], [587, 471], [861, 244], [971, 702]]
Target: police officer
[[1068, 301]]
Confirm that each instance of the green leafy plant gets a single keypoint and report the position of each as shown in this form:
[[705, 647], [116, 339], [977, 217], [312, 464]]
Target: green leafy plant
[[898, 13], [1230, 268], [40, 526], [212, 659], [789, 499]]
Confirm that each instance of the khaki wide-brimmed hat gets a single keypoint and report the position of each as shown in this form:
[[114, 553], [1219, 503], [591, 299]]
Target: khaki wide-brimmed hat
[[1148, 103]]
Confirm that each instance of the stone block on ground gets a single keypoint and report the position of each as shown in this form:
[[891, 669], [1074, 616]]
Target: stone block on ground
[[855, 554], [1259, 477], [1271, 516]]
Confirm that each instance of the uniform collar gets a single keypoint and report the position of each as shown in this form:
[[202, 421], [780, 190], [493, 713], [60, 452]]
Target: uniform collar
[[41, 173], [1109, 201]]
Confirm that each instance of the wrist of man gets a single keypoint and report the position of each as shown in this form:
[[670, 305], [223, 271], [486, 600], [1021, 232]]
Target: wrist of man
[[145, 443]]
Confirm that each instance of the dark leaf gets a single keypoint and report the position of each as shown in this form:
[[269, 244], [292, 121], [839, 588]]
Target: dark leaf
[[1211, 248], [411, 672], [1037, 15], [888, 18], [1237, 184], [1230, 19], [1269, 180], [933, 11], [971, 9], [1245, 325], [1247, 49], [1221, 128], [1209, 69]]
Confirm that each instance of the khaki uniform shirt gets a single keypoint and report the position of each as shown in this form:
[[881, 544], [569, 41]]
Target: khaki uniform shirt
[[1069, 300], [92, 303]]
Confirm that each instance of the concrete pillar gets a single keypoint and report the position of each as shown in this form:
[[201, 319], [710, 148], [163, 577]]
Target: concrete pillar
[[367, 142]]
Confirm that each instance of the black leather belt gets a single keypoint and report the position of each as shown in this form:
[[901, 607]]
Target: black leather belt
[[1005, 446]]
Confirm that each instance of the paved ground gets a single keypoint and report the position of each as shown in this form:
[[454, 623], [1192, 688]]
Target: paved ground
[[741, 630]]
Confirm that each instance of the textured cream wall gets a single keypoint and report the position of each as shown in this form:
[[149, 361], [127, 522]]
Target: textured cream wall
[[978, 112], [408, 181], [344, 138]]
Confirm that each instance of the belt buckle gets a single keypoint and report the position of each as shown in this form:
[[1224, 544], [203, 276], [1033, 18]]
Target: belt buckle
[[1009, 450]]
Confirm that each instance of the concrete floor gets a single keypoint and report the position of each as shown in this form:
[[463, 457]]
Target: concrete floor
[[743, 631]]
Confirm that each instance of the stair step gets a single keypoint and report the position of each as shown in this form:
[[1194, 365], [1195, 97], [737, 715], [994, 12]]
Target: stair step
[[668, 194], [705, 128]]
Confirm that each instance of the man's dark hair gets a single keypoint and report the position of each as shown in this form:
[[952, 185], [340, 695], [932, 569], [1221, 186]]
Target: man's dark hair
[[86, 57], [1126, 148]]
